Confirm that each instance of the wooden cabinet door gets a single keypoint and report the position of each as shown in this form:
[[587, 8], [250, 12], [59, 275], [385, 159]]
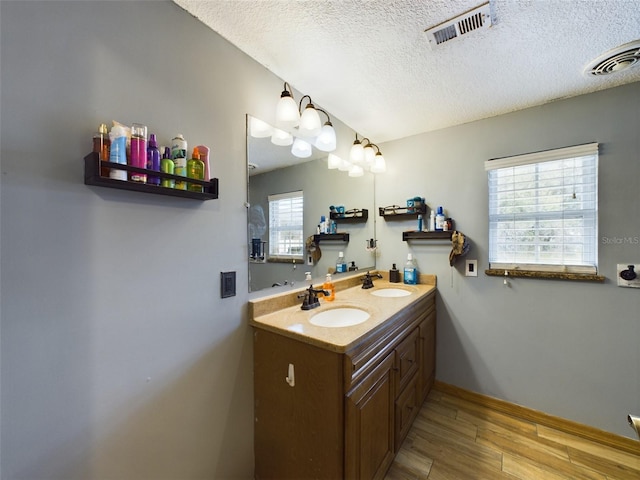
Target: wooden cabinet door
[[299, 427], [427, 354], [369, 413]]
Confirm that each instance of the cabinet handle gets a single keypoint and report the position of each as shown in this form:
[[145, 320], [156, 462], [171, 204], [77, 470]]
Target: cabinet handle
[[291, 377], [395, 369]]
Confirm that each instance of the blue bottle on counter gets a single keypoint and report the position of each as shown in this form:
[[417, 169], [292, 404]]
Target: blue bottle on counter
[[410, 271]]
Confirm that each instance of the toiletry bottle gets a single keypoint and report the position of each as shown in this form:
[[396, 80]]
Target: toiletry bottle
[[394, 274], [153, 159], [330, 287], [118, 151], [179, 157], [166, 166], [138, 151], [432, 221], [341, 265], [195, 169], [440, 219], [101, 145], [410, 271], [420, 222], [353, 267], [323, 224]]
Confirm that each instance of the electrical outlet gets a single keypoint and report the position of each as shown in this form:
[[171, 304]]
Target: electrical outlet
[[471, 268], [628, 275]]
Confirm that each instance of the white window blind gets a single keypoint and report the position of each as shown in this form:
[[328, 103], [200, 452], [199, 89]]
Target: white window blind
[[286, 236], [543, 210]]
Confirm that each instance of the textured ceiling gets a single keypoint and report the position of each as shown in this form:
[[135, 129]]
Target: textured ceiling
[[370, 65]]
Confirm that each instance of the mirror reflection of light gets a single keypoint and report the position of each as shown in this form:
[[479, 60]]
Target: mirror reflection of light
[[281, 138], [259, 128], [356, 171], [301, 149]]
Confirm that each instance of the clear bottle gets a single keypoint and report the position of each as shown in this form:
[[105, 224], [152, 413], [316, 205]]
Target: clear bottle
[[432, 221], [153, 159], [330, 287], [341, 265], [195, 169], [138, 151], [167, 166], [410, 271]]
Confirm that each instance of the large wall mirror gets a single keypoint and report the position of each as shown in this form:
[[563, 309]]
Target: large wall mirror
[[275, 172]]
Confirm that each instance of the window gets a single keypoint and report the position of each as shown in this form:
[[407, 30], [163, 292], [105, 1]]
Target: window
[[286, 237], [543, 211]]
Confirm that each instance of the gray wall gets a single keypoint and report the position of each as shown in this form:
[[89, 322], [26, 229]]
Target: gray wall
[[119, 362], [119, 358], [566, 348]]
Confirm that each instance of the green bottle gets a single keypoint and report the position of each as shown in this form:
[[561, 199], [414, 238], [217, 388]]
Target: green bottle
[[195, 169], [167, 166]]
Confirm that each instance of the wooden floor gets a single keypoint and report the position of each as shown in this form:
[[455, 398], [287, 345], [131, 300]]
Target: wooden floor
[[454, 438]]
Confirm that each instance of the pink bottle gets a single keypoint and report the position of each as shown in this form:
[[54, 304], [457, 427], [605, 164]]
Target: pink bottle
[[138, 151]]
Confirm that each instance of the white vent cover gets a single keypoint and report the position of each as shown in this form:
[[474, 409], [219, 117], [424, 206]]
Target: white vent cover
[[620, 58], [478, 18]]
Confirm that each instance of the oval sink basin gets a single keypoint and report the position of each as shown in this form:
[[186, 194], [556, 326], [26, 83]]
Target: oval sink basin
[[340, 317], [391, 292]]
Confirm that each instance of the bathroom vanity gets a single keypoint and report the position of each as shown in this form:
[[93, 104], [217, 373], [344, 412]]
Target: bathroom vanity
[[337, 402]]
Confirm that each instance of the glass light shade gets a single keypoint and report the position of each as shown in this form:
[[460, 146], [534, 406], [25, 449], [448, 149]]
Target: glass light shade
[[334, 161], [301, 149], [282, 138], [287, 114], [356, 171], [344, 166], [379, 164], [259, 129], [369, 155], [326, 141], [357, 153], [310, 124]]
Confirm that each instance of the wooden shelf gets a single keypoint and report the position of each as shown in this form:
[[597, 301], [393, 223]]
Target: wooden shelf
[[402, 212], [437, 235], [337, 237], [354, 217], [92, 165]]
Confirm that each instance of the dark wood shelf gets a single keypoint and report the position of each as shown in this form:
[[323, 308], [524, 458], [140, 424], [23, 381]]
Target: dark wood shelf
[[354, 217], [402, 212], [92, 165], [437, 235], [337, 237]]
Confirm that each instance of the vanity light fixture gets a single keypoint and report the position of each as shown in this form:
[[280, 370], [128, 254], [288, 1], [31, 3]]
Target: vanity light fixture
[[326, 141], [310, 124], [287, 113], [379, 163], [356, 155]]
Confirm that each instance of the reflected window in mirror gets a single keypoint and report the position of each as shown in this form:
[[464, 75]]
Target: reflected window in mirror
[[286, 229]]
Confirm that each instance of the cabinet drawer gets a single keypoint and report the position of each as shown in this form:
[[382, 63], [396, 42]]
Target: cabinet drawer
[[407, 408], [407, 361]]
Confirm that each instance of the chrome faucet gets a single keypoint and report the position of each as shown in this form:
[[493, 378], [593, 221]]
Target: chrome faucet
[[311, 298]]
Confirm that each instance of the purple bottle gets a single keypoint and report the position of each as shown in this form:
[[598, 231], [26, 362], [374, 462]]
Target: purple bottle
[[153, 159], [138, 151]]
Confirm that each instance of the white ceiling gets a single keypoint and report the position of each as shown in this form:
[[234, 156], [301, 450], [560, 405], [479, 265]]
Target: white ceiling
[[369, 62]]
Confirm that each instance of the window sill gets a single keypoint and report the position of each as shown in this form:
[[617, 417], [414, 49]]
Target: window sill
[[585, 277]]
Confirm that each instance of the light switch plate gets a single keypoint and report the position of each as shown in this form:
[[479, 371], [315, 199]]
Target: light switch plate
[[628, 275], [227, 284], [471, 268]]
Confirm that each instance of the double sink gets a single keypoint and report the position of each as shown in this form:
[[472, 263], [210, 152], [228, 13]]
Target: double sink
[[349, 316]]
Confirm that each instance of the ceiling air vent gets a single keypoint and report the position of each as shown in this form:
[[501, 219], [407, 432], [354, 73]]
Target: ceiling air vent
[[476, 19], [615, 60]]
